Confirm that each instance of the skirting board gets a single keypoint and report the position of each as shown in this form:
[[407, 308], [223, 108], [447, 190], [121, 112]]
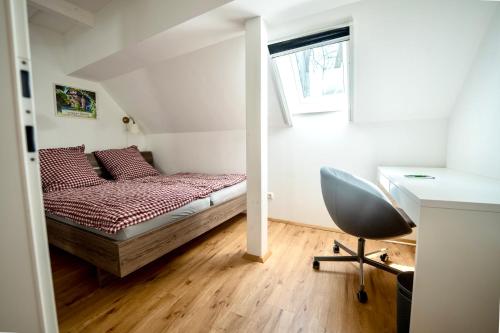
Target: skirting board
[[261, 259], [404, 241]]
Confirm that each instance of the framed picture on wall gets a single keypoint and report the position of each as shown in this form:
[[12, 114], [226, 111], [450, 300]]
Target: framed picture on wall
[[75, 102]]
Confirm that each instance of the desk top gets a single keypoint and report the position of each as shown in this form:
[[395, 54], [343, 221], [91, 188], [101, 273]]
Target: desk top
[[449, 188]]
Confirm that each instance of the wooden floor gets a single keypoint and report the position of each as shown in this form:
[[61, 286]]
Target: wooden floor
[[206, 286]]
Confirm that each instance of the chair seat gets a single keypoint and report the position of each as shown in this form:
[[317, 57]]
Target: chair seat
[[360, 208]]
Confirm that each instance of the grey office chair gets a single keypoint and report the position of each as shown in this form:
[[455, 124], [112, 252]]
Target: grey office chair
[[361, 209]]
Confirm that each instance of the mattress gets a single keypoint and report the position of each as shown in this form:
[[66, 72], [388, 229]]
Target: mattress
[[137, 229], [228, 193]]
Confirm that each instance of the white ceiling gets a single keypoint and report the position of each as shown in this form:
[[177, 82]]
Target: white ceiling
[[203, 31], [235, 11], [403, 69], [90, 5], [188, 88], [410, 60], [200, 91], [215, 26], [61, 23]]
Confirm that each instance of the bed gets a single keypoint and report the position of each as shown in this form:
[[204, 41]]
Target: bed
[[131, 248]]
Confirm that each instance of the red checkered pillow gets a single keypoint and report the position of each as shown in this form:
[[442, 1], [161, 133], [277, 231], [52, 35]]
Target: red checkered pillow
[[126, 163], [64, 168]]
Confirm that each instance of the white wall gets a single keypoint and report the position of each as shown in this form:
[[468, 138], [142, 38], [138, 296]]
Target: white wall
[[410, 60], [105, 132], [474, 134], [296, 155], [410, 56], [210, 152]]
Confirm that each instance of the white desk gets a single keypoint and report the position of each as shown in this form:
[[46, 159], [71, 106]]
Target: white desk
[[457, 276]]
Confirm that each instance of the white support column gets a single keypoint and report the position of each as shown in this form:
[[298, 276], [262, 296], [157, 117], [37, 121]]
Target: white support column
[[256, 64]]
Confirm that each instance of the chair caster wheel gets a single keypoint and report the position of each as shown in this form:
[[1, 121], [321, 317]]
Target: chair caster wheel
[[362, 296], [316, 265], [336, 249], [384, 257]]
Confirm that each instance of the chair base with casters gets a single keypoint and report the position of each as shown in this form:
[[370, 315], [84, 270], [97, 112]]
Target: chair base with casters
[[360, 257]]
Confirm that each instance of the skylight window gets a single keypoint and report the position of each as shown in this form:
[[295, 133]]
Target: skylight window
[[312, 72]]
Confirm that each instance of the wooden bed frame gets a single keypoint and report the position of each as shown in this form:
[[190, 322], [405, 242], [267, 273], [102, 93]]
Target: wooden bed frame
[[122, 257]]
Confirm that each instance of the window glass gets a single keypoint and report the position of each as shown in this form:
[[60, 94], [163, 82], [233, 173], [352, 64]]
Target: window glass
[[315, 79]]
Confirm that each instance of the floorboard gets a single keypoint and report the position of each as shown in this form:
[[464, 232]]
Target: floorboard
[[206, 286]]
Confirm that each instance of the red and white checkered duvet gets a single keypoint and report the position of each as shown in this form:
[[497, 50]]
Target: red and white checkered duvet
[[199, 180], [113, 206]]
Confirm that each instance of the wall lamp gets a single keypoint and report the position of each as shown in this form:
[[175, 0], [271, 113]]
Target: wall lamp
[[130, 125]]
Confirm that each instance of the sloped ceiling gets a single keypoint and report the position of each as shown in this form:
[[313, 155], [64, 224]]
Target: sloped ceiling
[[410, 61], [123, 24], [130, 34], [200, 91], [61, 23]]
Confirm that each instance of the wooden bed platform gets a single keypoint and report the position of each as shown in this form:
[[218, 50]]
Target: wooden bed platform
[[122, 257]]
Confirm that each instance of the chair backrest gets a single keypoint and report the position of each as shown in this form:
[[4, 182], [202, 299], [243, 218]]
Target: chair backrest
[[360, 208]]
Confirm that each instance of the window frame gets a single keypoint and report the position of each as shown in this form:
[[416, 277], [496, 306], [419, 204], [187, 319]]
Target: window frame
[[287, 114]]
